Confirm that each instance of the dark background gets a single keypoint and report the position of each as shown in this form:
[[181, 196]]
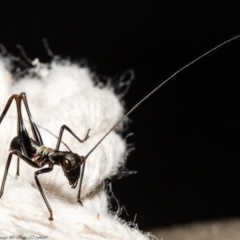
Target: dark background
[[187, 134]]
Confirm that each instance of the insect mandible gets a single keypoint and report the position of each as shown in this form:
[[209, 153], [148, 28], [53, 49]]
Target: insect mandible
[[34, 153]]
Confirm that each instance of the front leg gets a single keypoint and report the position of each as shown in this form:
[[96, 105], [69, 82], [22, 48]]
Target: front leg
[[80, 182], [69, 130]]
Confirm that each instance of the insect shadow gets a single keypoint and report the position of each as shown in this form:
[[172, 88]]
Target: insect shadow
[[34, 153]]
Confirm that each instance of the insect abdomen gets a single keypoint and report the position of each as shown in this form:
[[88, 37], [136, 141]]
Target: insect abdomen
[[15, 144]]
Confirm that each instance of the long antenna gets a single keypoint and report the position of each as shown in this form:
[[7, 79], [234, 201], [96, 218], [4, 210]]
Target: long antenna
[[155, 89]]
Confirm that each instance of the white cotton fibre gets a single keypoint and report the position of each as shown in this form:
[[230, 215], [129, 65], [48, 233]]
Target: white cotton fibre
[[63, 93]]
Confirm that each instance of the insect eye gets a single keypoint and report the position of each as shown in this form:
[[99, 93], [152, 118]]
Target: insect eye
[[67, 165]]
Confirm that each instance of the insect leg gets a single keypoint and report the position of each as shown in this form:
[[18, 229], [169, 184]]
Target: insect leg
[[23, 157], [44, 170], [35, 131], [18, 164], [3, 115], [21, 130], [22, 133], [63, 127], [80, 183], [7, 107]]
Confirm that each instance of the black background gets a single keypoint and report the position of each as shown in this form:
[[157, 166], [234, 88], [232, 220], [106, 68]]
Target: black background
[[187, 134]]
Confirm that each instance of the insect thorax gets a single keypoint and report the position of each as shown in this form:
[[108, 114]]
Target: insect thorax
[[44, 151]]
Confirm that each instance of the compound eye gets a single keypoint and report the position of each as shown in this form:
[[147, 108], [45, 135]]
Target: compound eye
[[67, 165]]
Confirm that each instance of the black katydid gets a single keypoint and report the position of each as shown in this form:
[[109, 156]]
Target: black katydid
[[33, 152]]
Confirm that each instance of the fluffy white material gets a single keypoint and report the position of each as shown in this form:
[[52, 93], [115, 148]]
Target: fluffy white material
[[62, 94]]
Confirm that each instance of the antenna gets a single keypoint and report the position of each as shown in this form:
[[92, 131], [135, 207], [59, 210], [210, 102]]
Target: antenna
[[158, 87]]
